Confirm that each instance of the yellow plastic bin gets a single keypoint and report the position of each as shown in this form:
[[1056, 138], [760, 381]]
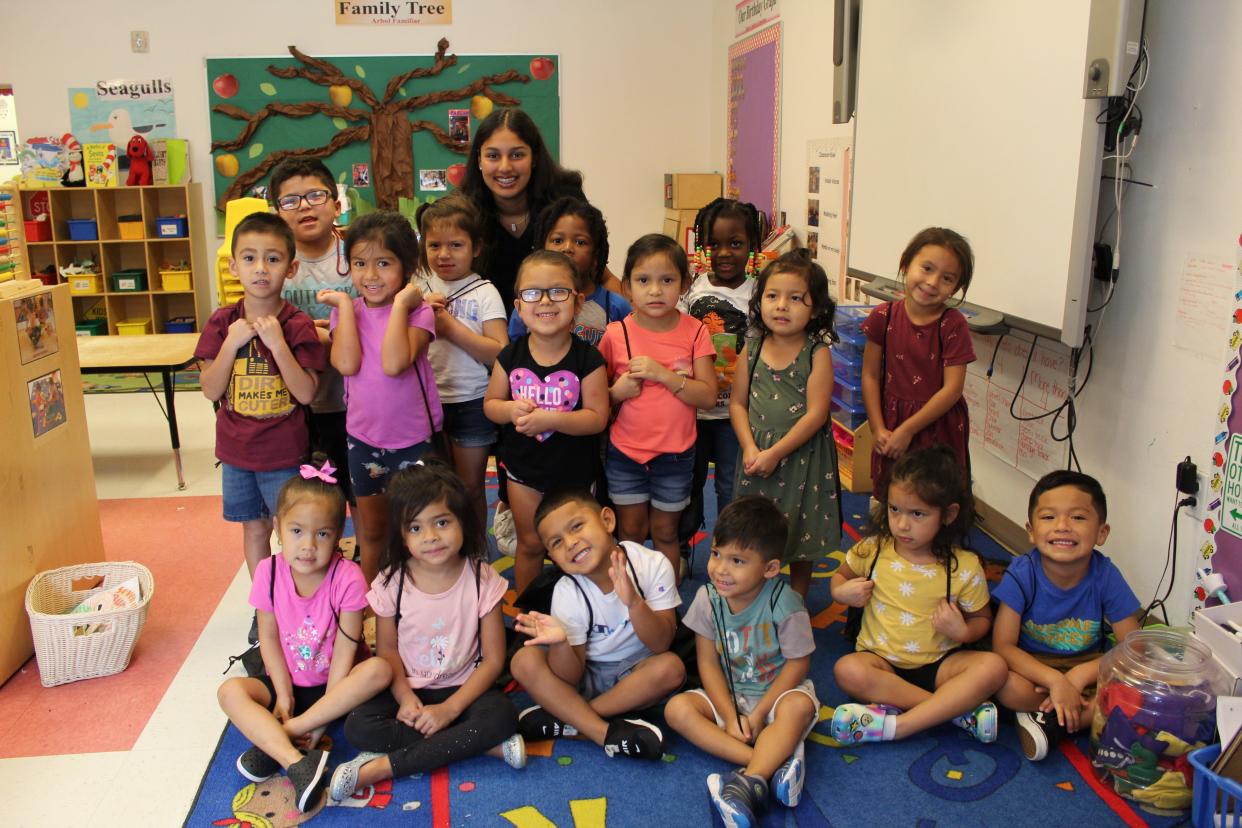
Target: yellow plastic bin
[[85, 283], [133, 327], [131, 228], [175, 280]]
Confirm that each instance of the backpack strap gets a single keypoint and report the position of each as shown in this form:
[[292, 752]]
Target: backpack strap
[[626, 332], [336, 616]]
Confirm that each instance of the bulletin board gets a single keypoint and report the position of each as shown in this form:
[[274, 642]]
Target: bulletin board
[[753, 139], [1028, 446], [335, 108]]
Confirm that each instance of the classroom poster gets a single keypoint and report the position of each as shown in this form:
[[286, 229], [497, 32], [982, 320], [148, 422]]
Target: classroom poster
[[47, 403], [114, 111], [9, 140], [828, 204], [753, 139], [1219, 540], [36, 327]]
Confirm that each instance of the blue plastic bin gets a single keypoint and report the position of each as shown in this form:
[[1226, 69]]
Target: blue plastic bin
[[847, 364], [849, 318], [1217, 801], [171, 227], [849, 393], [848, 416], [83, 229], [179, 324]]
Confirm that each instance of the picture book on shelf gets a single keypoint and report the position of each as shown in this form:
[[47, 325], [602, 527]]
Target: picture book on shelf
[[101, 166]]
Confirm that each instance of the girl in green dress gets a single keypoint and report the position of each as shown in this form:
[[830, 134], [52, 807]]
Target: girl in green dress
[[779, 410]]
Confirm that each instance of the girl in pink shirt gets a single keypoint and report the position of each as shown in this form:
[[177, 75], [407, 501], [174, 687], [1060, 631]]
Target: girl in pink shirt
[[438, 624], [661, 369], [309, 602]]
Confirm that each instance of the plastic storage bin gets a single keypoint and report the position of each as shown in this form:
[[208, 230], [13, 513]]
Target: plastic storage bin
[[133, 327], [171, 227], [1218, 801], [848, 416], [129, 281], [85, 283], [92, 327], [847, 364], [179, 324], [1160, 682], [175, 280], [83, 230], [64, 656], [131, 228], [849, 393], [849, 318], [37, 231]]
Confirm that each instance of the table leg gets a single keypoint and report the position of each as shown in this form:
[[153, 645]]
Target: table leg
[[172, 425]]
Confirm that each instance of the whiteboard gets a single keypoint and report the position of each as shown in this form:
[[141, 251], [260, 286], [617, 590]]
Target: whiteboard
[[970, 115]]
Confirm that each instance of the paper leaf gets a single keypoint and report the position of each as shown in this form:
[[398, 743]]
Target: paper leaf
[[267, 89], [402, 91], [339, 123], [463, 69], [255, 150], [362, 73]]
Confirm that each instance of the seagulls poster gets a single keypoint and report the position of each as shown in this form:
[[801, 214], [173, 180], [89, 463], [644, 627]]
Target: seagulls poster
[[113, 111]]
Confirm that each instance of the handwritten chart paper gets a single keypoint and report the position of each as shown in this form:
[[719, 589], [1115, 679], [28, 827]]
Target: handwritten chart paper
[[1206, 286]]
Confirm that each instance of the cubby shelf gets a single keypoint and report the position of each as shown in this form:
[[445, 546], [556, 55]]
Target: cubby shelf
[[111, 253]]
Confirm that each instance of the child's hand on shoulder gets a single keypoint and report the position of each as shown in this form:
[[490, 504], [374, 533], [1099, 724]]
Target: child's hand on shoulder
[[407, 714], [269, 331], [437, 301], [627, 387], [408, 298], [542, 628], [333, 298], [761, 463], [240, 332], [949, 621], [619, 572], [855, 592]]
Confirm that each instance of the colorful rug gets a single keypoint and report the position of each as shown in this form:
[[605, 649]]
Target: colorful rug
[[193, 556], [133, 383], [941, 778]]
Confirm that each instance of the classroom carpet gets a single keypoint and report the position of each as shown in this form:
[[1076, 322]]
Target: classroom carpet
[[942, 778], [133, 383], [192, 555]]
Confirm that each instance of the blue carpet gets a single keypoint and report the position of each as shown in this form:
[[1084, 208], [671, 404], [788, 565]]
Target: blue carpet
[[943, 778]]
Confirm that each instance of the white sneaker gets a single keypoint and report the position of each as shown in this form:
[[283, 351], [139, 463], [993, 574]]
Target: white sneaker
[[513, 750], [503, 531]]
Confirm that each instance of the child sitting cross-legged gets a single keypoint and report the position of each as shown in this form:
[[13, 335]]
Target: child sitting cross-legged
[[602, 653], [757, 704], [1053, 604], [922, 598]]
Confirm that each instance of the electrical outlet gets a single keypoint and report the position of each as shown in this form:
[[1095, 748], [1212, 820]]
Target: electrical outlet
[[139, 42], [1204, 499]]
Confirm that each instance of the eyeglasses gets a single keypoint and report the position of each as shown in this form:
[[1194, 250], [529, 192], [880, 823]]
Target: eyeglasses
[[293, 201], [532, 295]]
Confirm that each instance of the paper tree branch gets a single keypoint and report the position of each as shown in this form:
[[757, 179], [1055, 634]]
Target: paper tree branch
[[323, 73], [298, 110], [242, 183], [442, 62], [481, 86]]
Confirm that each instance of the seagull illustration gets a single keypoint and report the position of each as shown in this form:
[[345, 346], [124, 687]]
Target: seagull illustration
[[121, 127]]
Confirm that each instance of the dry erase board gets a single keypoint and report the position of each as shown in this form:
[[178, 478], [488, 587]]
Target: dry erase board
[[970, 115]]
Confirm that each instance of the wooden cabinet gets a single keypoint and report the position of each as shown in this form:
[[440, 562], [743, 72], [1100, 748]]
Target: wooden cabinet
[[854, 456], [128, 238]]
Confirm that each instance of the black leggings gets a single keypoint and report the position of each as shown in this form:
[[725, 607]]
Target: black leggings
[[487, 722]]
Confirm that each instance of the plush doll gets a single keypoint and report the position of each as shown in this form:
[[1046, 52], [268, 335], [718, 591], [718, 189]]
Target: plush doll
[[139, 153]]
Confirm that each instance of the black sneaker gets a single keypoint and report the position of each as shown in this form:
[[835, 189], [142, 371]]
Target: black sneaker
[[253, 635], [737, 797], [635, 738], [257, 766], [536, 724], [309, 779], [1038, 732]]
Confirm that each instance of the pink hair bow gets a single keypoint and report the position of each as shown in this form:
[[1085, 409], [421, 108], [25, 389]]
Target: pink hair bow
[[324, 473]]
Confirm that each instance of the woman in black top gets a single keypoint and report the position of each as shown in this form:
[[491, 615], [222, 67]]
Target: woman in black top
[[511, 176]]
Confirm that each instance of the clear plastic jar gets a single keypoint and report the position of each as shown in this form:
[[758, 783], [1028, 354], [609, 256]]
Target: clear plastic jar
[[1156, 702]]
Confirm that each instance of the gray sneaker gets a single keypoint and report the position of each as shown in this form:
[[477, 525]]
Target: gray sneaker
[[257, 766], [307, 776], [345, 777]]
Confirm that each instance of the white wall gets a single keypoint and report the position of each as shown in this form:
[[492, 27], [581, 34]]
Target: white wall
[[633, 102], [1148, 403]]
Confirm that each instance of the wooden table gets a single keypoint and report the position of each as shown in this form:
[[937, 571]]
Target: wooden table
[[162, 353]]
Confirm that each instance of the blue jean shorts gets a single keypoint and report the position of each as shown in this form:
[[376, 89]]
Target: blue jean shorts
[[251, 495], [664, 480], [466, 424], [370, 467]]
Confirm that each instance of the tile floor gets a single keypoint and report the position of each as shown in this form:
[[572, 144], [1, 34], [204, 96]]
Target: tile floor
[[155, 782]]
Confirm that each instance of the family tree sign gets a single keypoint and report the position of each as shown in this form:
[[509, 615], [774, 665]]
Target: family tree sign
[[390, 111]]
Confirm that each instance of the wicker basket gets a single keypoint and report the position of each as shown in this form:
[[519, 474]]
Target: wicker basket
[[63, 656]]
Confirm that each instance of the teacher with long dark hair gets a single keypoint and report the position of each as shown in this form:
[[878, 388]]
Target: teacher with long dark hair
[[511, 176]]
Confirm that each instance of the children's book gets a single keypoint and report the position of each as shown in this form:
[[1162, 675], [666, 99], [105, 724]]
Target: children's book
[[170, 162], [100, 160]]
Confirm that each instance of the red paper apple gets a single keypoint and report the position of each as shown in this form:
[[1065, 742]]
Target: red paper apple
[[225, 85], [456, 174], [542, 68]]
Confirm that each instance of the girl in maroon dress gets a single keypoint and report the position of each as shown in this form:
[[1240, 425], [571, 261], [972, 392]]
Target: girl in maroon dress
[[914, 363]]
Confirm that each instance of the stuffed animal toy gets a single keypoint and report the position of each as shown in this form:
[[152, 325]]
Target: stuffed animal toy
[[139, 153]]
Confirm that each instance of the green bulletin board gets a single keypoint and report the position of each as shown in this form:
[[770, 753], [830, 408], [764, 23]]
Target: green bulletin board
[[353, 111]]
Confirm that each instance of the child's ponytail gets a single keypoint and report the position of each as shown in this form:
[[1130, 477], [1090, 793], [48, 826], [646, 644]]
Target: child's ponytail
[[317, 479]]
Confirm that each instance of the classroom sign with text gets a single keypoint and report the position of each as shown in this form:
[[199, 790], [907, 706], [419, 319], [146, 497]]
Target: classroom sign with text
[[751, 14], [394, 13]]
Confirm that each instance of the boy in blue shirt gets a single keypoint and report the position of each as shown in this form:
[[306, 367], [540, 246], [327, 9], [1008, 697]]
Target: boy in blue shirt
[[1054, 602], [757, 704]]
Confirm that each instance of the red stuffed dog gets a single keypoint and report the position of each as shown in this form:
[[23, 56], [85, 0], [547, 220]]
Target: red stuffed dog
[[139, 153]]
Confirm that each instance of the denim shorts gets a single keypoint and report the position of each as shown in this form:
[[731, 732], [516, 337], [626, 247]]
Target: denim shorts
[[598, 677], [370, 467], [251, 495], [466, 424], [664, 480]]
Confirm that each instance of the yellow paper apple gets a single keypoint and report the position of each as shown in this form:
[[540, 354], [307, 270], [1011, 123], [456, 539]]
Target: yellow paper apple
[[480, 106], [227, 165], [340, 95]]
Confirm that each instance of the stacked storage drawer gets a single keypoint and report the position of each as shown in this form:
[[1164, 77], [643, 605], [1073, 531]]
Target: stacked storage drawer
[[850, 430]]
